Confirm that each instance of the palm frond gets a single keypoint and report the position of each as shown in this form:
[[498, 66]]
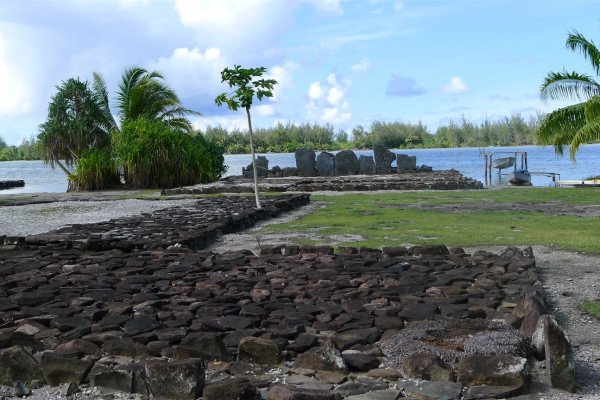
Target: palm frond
[[589, 133], [568, 85], [578, 43], [101, 96], [560, 126]]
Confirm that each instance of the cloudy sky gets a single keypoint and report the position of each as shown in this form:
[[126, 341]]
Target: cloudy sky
[[344, 62]]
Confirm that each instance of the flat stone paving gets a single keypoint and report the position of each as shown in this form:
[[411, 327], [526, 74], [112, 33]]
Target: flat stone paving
[[291, 323]]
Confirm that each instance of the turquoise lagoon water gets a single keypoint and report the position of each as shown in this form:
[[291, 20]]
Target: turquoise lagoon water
[[40, 178]]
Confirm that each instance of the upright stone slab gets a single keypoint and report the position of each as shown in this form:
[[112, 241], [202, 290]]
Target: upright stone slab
[[305, 162], [262, 166], [326, 164], [383, 159], [346, 163], [406, 163], [366, 165]]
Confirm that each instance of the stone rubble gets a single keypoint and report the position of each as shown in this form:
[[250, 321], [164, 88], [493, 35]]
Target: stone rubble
[[134, 306]]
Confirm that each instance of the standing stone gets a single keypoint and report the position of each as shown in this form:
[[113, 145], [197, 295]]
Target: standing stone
[[262, 166], [326, 164], [406, 163], [557, 351], [383, 159], [346, 163], [305, 162], [366, 165]]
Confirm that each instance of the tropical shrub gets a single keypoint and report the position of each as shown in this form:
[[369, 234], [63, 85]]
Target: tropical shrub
[[96, 169], [153, 155]]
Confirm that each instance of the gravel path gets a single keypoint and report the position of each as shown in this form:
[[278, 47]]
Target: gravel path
[[39, 218]]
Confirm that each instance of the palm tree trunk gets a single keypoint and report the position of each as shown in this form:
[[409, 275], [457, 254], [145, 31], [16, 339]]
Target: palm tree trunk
[[253, 158]]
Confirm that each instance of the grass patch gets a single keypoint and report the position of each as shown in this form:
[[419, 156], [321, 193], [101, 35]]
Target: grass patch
[[367, 215], [592, 307]]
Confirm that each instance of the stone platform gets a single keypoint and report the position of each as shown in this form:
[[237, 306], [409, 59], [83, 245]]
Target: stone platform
[[435, 180], [164, 320]]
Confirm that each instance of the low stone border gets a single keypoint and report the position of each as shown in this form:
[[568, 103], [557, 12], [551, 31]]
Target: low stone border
[[189, 227], [292, 323], [435, 180], [11, 184]]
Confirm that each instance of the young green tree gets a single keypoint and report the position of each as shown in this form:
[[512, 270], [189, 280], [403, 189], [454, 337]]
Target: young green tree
[[579, 123], [247, 82]]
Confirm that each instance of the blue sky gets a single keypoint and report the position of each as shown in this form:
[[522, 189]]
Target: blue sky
[[342, 62]]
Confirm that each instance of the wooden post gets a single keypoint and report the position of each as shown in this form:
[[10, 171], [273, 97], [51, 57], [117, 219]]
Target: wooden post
[[485, 170]]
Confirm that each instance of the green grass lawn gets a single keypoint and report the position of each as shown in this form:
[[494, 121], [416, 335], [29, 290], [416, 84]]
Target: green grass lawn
[[388, 219]]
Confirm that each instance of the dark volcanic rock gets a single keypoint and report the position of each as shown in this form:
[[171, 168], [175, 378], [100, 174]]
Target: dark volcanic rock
[[305, 162], [366, 165], [325, 164], [175, 380], [428, 367], [64, 368], [360, 361], [231, 389], [259, 351], [16, 364], [326, 357], [406, 163], [383, 159], [346, 163]]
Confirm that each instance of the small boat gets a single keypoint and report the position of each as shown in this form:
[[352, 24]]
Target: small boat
[[519, 177], [503, 162], [583, 183]]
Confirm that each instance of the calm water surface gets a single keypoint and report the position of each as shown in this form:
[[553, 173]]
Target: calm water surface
[[41, 178]]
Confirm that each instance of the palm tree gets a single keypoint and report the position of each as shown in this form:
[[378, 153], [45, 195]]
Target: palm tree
[[576, 124], [73, 125], [143, 94]]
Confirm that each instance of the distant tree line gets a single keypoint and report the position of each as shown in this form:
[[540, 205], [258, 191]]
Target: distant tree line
[[27, 150], [508, 131]]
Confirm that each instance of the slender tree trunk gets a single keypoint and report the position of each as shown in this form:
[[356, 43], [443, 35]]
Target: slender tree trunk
[[253, 158], [62, 167]]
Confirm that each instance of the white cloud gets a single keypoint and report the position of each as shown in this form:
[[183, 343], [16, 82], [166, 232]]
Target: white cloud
[[192, 72], [246, 28], [362, 66], [131, 3], [327, 100], [283, 74], [229, 123], [456, 85], [328, 6], [315, 91], [18, 80], [264, 110]]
